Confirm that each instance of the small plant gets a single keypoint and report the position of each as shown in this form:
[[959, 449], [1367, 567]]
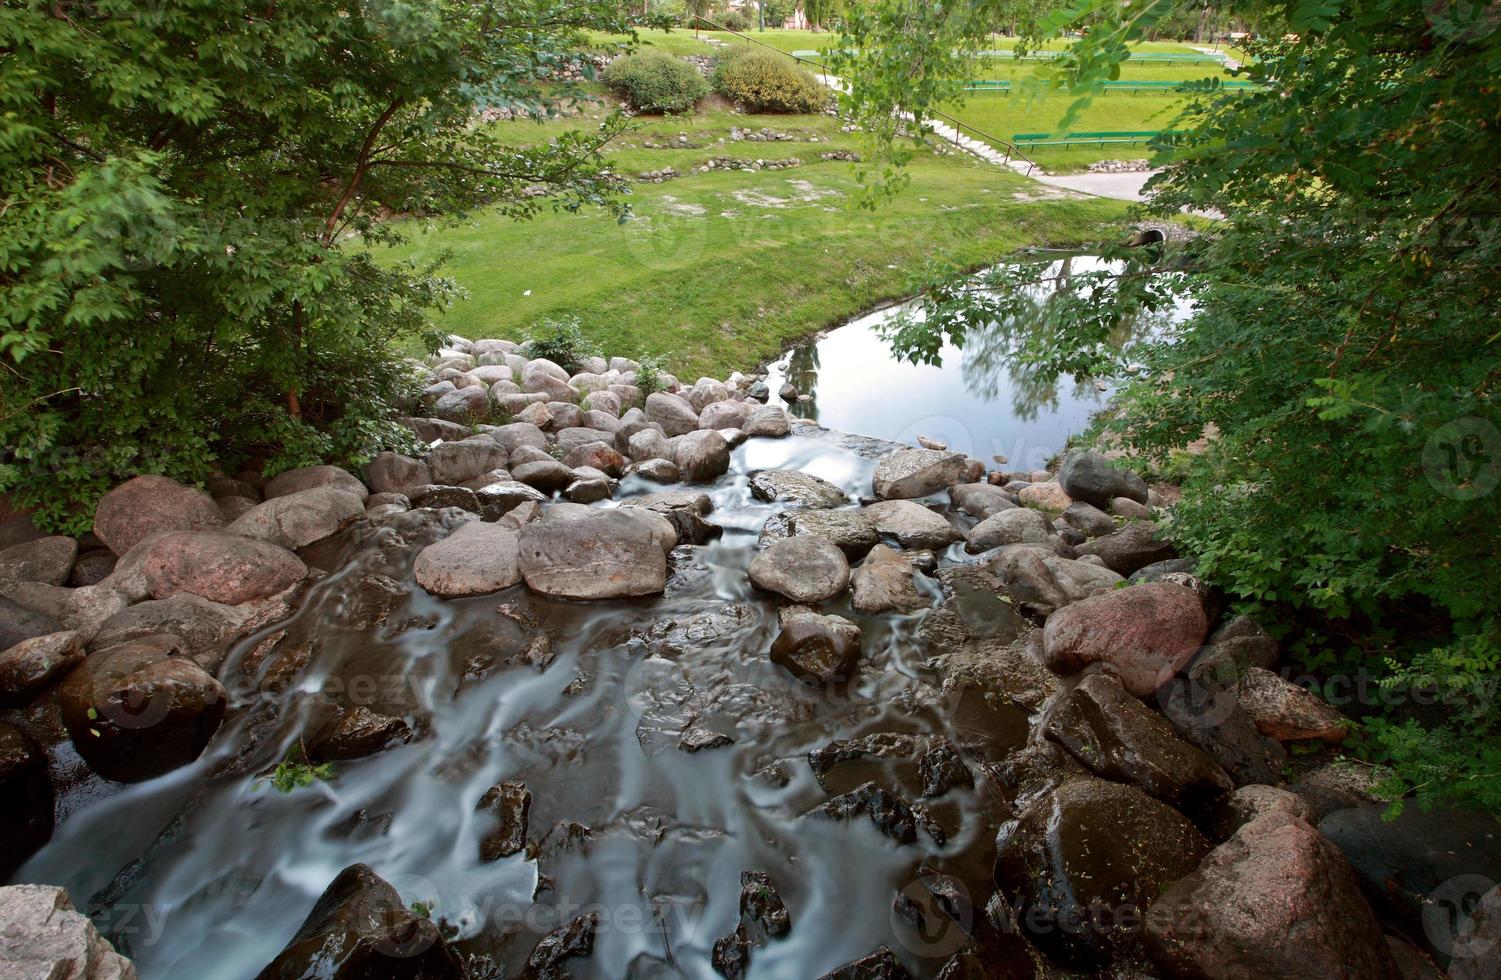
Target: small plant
[[562, 341], [649, 375], [296, 771], [652, 81], [423, 910]]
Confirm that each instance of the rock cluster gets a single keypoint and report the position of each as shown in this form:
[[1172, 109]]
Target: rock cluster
[[735, 163]]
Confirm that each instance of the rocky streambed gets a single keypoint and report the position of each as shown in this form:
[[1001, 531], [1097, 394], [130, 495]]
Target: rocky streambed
[[661, 686]]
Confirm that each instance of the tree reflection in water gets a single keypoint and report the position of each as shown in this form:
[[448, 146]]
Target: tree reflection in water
[[802, 372]]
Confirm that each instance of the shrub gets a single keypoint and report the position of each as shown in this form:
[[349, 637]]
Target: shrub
[[649, 375], [561, 341], [735, 20], [763, 81], [652, 81]]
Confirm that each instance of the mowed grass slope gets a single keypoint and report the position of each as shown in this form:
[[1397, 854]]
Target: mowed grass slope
[[719, 271]]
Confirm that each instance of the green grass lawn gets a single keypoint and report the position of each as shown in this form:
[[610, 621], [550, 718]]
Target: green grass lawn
[[719, 271]]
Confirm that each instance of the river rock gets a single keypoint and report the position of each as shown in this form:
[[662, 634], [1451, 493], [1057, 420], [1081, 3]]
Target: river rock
[[360, 927], [804, 568], [42, 937], [1143, 634], [1043, 582], [912, 524], [453, 463], [1249, 802], [724, 415], [1092, 478], [649, 444], [792, 486], [31, 666], [356, 733], [438, 497], [1021, 525], [1133, 547], [312, 477], [675, 415], [656, 470], [596, 455], [572, 437], [18, 622], [600, 556], [514, 435], [509, 803], [769, 422], [546, 475], [1046, 496], [47, 560], [1287, 712], [298, 519], [909, 473], [572, 941], [890, 814], [26, 807], [847, 529], [430, 430], [562, 416], [465, 406], [702, 456], [1276, 900], [879, 965], [885, 582], [1120, 738], [1212, 718], [219, 567], [819, 650], [145, 505], [1085, 860], [475, 559], [93, 567], [980, 499], [1088, 519], [135, 710], [1232, 649], [1126, 507]]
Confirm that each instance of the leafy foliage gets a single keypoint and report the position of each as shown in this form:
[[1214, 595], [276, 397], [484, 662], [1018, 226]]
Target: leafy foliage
[[652, 81], [562, 341], [191, 193], [1343, 356], [766, 81], [649, 376], [295, 772]]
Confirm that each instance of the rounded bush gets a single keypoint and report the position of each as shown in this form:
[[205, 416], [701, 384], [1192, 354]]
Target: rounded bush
[[764, 81], [652, 81]]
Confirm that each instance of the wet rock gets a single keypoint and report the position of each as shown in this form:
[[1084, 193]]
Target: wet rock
[[1019, 526], [702, 456], [92, 567], [26, 807], [731, 954], [1085, 860], [1092, 478], [761, 906], [1046, 496], [1276, 900], [769, 423], [941, 769], [1120, 738], [1232, 649], [716, 627], [684, 510], [475, 559], [594, 557], [47, 560], [1088, 518], [573, 941], [912, 524], [880, 965], [702, 739], [546, 475], [18, 622], [889, 746], [1476, 943], [820, 650], [1249, 802], [360, 927], [885, 582], [312, 477], [356, 733], [1158, 570], [31, 666], [889, 813], [146, 505], [649, 444], [1133, 547], [657, 470], [909, 473], [1043, 583], [438, 497], [791, 486], [135, 710], [510, 803], [589, 486], [501, 497], [44, 938], [674, 414], [1211, 718], [298, 519], [980, 500], [804, 568], [848, 530], [1287, 712], [220, 567], [1143, 634]]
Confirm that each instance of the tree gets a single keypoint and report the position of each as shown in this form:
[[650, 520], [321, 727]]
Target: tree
[[192, 192], [1345, 346]]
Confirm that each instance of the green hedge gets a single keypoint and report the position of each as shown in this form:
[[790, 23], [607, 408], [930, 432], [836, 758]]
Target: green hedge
[[766, 81], [652, 81]]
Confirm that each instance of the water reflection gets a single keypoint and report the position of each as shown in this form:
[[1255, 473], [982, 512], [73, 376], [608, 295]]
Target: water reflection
[[978, 398]]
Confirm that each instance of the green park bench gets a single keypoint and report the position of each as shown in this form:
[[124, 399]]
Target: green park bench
[[1087, 139], [1004, 85]]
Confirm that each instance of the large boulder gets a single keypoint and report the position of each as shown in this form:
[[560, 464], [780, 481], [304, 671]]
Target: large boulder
[[1287, 712], [546, 475], [1122, 739], [1233, 648], [819, 650], [1092, 478], [1276, 900], [453, 463], [18, 622], [913, 525], [47, 560], [473, 560], [311, 477], [1088, 519], [769, 422], [648, 443], [596, 455], [26, 805], [603, 555], [675, 415], [980, 500], [514, 435], [1143, 634], [1043, 582], [794, 487], [885, 582], [219, 567], [702, 456], [141, 507], [83, 609], [1047, 496], [1212, 718], [804, 568], [848, 529], [1133, 547], [724, 415], [1021, 525], [360, 927], [31, 666], [1084, 861], [42, 937], [299, 519], [909, 473], [138, 710], [465, 406]]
